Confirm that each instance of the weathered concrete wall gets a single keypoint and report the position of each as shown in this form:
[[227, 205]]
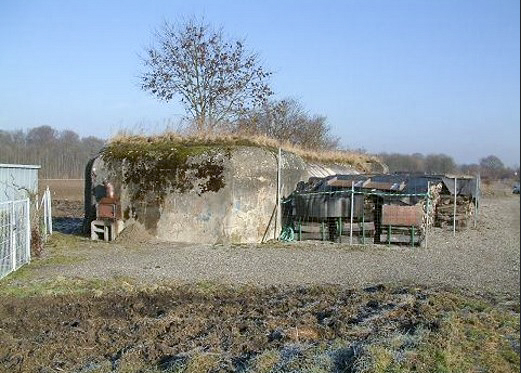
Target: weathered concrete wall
[[239, 211]]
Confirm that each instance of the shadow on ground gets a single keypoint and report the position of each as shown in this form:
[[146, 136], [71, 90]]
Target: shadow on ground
[[68, 225]]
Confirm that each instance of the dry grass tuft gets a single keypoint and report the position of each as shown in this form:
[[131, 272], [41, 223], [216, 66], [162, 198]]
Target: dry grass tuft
[[303, 333], [203, 363], [362, 162], [266, 361]]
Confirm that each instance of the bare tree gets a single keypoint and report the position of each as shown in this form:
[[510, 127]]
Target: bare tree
[[41, 135], [216, 79], [439, 164], [404, 162], [491, 167], [287, 121], [418, 163], [470, 169]]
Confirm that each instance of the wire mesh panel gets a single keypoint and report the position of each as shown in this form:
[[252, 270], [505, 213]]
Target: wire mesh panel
[[358, 216], [14, 236], [382, 209]]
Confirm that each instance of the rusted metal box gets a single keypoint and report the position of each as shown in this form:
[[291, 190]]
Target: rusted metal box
[[108, 208], [107, 211], [405, 216]]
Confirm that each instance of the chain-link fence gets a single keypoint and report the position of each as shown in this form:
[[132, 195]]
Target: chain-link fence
[[15, 234]]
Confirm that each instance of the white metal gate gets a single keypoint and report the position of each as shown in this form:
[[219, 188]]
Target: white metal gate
[[15, 235]]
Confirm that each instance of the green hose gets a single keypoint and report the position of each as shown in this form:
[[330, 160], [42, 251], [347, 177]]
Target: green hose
[[287, 234]]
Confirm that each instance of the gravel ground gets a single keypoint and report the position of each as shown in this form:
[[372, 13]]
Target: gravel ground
[[485, 258]]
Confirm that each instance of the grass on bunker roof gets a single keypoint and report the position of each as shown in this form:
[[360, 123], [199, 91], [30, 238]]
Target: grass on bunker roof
[[361, 162]]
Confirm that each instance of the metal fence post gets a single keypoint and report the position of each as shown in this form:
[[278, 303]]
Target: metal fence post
[[351, 213], [455, 204], [44, 208], [28, 230], [278, 217], [477, 200], [49, 210], [363, 218], [12, 238], [428, 215]]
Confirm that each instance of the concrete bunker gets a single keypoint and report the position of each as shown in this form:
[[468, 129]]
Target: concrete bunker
[[210, 193]]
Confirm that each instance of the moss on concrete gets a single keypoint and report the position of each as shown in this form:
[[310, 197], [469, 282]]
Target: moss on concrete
[[160, 167], [150, 169]]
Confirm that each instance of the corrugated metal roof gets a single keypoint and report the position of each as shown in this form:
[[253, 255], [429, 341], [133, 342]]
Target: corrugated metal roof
[[402, 183], [5, 165]]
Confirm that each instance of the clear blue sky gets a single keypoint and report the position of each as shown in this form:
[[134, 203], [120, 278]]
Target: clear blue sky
[[395, 76]]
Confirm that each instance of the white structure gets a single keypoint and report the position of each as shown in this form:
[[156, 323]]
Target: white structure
[[18, 187]]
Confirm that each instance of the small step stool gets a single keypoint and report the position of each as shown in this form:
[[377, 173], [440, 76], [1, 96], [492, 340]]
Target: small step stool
[[106, 230]]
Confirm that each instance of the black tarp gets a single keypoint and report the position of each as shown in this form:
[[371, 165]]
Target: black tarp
[[414, 183]]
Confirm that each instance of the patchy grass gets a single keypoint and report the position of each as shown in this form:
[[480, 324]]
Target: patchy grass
[[468, 335], [59, 251], [119, 325], [266, 362], [60, 243], [28, 286], [58, 286], [307, 245]]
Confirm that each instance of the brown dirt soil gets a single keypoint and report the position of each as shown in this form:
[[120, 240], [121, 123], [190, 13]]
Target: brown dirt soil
[[63, 208], [63, 189], [67, 203], [135, 234], [497, 188], [216, 329], [67, 216]]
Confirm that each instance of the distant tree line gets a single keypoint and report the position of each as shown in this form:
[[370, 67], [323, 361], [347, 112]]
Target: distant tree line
[[61, 154], [490, 167]]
